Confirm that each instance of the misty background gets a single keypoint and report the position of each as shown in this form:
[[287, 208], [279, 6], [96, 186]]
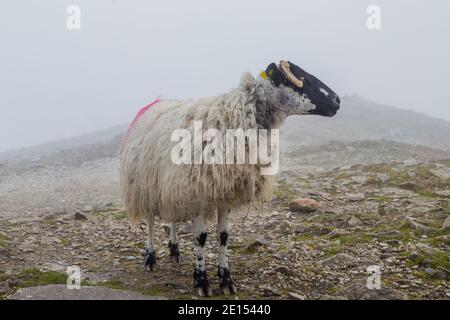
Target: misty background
[[57, 83]]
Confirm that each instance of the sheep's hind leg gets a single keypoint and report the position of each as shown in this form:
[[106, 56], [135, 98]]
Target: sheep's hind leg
[[201, 282], [173, 243], [225, 281], [150, 254]]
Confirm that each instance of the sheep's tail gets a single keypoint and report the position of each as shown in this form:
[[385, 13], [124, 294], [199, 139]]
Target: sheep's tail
[[135, 120]]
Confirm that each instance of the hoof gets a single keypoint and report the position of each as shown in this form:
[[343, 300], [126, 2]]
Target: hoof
[[174, 252], [201, 284], [204, 292], [231, 289], [150, 260], [226, 283]]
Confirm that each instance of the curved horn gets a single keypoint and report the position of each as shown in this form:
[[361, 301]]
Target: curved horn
[[284, 66]]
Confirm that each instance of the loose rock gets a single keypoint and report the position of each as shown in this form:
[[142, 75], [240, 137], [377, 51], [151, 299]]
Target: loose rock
[[353, 222], [296, 296], [340, 261], [355, 197], [446, 224], [79, 216], [304, 205]]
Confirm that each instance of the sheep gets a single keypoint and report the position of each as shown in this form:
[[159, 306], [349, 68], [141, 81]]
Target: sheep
[[152, 185]]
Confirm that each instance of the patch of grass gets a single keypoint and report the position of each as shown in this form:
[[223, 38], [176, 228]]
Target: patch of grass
[[374, 181], [421, 275], [248, 250], [343, 175], [50, 220], [113, 284], [331, 251], [155, 291], [35, 277], [284, 193], [424, 276], [426, 184], [412, 262], [113, 213], [351, 239], [262, 263], [426, 193], [304, 237], [440, 259], [376, 168], [119, 215], [433, 230], [371, 218], [445, 162], [282, 248], [333, 289], [239, 249], [436, 259], [106, 210], [439, 241], [397, 177], [379, 199], [3, 277], [3, 239], [407, 232], [66, 241], [437, 232], [87, 282], [444, 209]]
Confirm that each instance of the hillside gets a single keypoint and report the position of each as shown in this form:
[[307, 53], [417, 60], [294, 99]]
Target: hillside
[[395, 216], [382, 194], [360, 119], [357, 120]]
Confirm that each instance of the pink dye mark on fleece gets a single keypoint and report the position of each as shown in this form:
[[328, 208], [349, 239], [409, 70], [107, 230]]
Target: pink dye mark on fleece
[[134, 122]]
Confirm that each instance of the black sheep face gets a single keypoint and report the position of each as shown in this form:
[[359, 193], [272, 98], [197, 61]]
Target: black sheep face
[[322, 99]]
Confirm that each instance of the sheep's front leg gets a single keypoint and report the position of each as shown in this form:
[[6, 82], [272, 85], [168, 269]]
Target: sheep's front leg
[[201, 282], [173, 243], [150, 254], [225, 281]]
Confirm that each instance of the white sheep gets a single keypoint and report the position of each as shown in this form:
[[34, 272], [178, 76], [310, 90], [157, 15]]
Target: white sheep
[[152, 184]]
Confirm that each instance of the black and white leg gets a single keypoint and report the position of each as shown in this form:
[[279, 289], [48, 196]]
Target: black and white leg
[[225, 281], [201, 282], [173, 243], [150, 254]]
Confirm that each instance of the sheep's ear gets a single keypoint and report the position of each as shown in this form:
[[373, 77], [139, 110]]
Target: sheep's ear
[[275, 74]]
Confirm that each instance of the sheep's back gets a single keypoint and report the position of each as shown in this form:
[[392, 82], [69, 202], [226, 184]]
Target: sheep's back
[[152, 184]]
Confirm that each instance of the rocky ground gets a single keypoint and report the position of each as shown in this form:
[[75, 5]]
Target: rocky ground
[[393, 215]]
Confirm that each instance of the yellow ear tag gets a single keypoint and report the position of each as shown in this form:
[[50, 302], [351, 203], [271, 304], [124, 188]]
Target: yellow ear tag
[[263, 75]]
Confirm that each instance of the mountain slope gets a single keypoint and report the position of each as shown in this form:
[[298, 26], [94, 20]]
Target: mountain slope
[[360, 119], [357, 120]]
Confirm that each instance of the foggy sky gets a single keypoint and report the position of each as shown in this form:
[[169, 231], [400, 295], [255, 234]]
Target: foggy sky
[[57, 83]]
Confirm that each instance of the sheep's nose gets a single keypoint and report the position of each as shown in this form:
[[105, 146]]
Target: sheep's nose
[[337, 100]]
